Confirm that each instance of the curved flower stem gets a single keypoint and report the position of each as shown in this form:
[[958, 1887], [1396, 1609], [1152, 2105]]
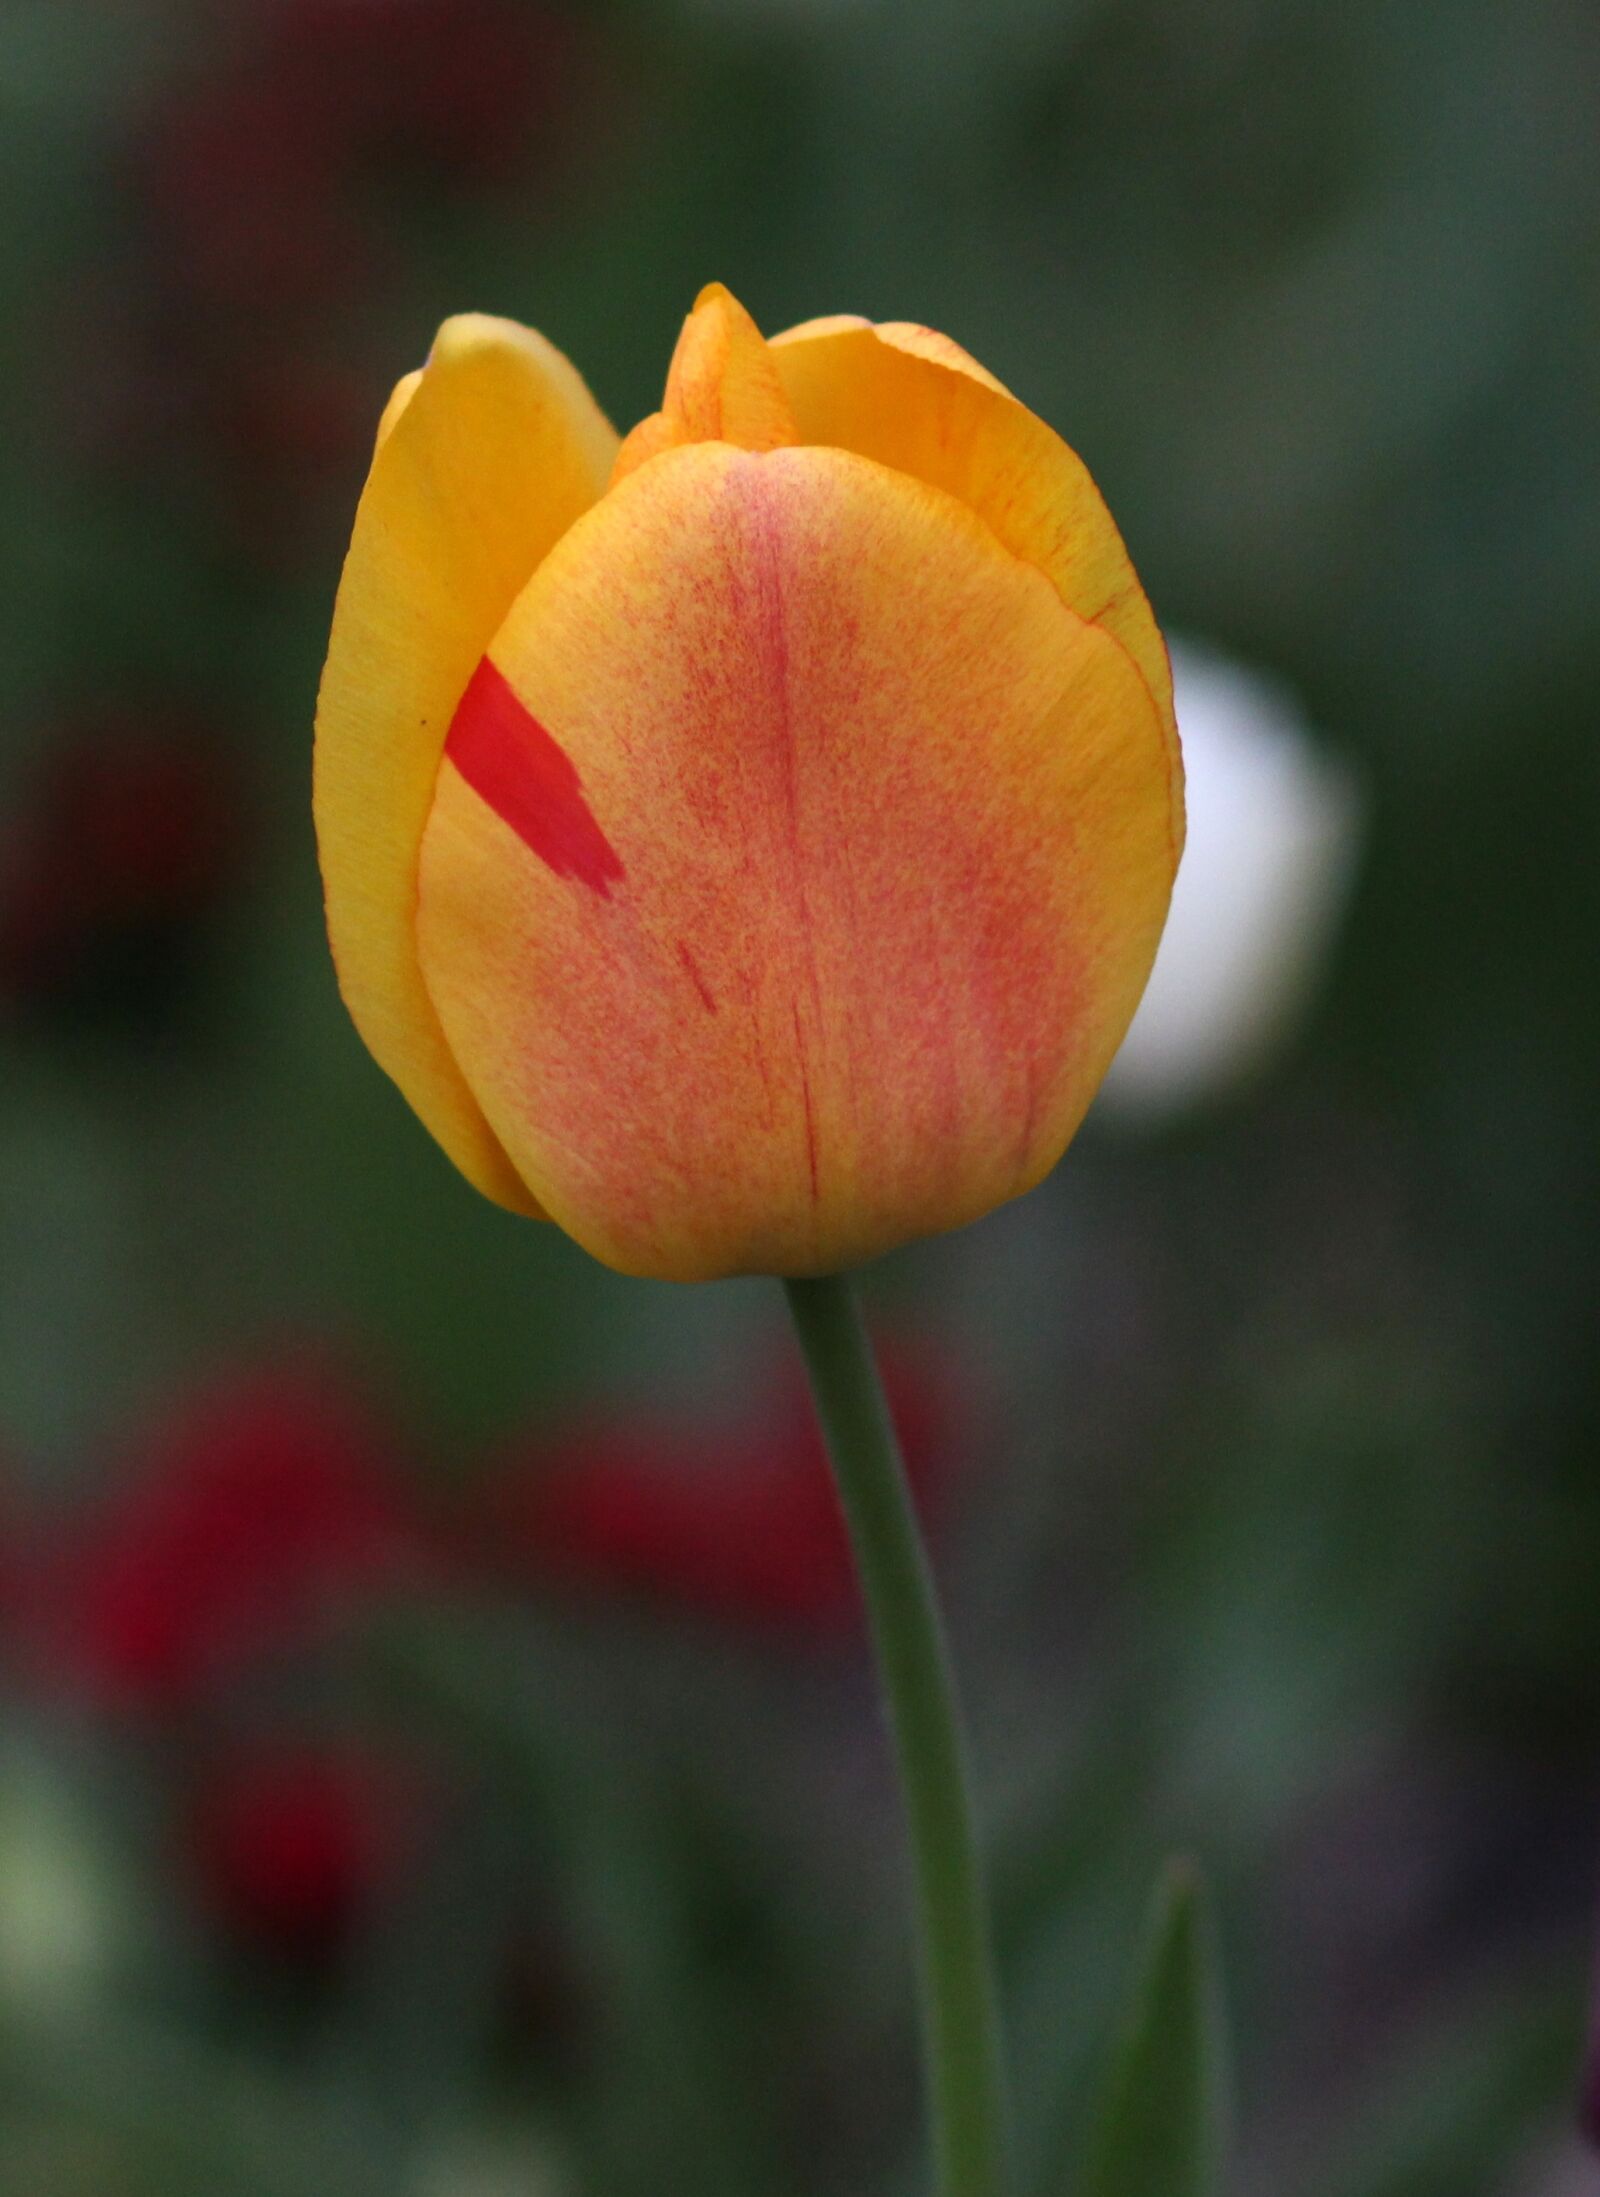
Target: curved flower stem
[[960, 2023]]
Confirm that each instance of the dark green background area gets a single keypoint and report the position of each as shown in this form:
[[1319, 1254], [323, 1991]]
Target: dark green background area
[[1283, 1543]]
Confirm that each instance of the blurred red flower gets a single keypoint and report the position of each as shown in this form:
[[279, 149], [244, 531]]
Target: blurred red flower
[[266, 244], [241, 181], [296, 417], [467, 86], [291, 1845], [264, 1513], [741, 1523], [250, 171], [114, 853]]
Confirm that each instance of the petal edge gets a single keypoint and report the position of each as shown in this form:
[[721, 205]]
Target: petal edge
[[912, 399], [482, 463]]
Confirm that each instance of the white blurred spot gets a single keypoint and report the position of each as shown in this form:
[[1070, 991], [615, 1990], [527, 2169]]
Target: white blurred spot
[[512, 2163], [1274, 824], [62, 1904]]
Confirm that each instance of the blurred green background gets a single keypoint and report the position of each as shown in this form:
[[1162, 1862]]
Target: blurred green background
[[433, 1759]]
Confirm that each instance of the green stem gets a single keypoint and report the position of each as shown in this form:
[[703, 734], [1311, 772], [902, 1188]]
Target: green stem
[[960, 2022]]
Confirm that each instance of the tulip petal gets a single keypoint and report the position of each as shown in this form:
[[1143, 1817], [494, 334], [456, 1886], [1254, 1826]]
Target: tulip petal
[[928, 343], [722, 386], [905, 335], [399, 398], [483, 462], [796, 865], [915, 400]]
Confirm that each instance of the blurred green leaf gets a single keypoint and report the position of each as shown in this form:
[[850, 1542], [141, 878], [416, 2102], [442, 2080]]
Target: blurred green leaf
[[679, 2096], [179, 2115], [1160, 2130]]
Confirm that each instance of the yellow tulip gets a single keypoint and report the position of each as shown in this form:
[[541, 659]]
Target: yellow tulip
[[745, 845]]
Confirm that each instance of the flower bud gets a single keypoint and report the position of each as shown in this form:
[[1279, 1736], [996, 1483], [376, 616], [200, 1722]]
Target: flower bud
[[744, 845]]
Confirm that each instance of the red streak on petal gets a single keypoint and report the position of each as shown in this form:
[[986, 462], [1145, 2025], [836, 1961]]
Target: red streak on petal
[[511, 762], [805, 1094], [692, 971]]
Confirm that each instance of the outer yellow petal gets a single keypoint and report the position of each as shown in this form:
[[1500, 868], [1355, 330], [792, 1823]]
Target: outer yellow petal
[[722, 386], [911, 398], [825, 324], [483, 462], [797, 862], [399, 397]]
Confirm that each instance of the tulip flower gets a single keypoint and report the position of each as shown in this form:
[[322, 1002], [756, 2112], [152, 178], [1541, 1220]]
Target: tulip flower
[[291, 1845], [262, 1514], [124, 841], [744, 844], [739, 1523]]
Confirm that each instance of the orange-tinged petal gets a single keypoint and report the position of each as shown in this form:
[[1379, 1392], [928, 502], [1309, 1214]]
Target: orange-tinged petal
[[722, 386], [905, 335], [928, 343], [483, 462], [913, 399], [797, 862], [656, 432]]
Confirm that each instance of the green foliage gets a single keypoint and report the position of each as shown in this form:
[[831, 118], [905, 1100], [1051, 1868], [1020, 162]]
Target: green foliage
[[1161, 2126]]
